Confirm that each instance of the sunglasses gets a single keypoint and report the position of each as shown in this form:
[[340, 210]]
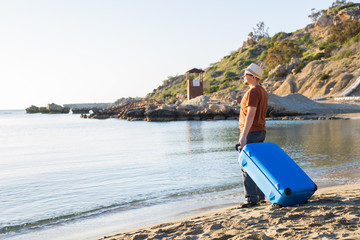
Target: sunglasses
[[248, 74]]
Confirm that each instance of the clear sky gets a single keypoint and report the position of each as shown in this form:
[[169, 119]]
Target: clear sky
[[86, 51]]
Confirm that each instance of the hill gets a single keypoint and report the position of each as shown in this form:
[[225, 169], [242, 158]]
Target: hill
[[322, 59]]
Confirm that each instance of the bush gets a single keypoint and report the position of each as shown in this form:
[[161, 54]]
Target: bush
[[344, 31], [229, 74], [173, 100], [212, 68], [305, 40], [324, 77], [354, 39], [311, 56], [212, 89], [279, 36], [243, 63], [329, 48], [340, 5], [217, 74], [183, 84], [262, 55], [280, 74], [266, 73], [299, 67], [344, 54], [281, 54], [223, 85]]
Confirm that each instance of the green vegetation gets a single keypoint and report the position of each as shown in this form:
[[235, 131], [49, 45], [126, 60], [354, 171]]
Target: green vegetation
[[282, 53], [343, 31], [260, 32], [342, 40], [325, 76], [309, 56], [170, 89]]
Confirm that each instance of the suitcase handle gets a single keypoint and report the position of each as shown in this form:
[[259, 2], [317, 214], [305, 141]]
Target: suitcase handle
[[237, 148]]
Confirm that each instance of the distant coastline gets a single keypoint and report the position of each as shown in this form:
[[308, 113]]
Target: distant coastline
[[88, 105], [66, 108]]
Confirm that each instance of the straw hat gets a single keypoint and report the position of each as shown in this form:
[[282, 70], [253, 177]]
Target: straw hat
[[255, 70]]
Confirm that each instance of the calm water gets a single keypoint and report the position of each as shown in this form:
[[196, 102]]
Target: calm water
[[62, 176]]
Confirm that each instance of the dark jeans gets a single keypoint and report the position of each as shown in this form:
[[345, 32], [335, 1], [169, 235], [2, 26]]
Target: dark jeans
[[251, 190]]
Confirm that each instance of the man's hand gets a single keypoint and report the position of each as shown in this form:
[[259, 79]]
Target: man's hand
[[242, 140]]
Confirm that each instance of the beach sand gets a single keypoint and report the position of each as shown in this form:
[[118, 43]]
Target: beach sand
[[332, 213]]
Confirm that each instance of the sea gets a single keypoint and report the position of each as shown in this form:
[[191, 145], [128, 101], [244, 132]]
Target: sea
[[64, 177]]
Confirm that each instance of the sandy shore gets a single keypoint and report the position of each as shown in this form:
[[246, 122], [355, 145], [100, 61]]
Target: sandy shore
[[332, 213]]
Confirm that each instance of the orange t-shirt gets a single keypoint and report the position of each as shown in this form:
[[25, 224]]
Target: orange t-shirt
[[254, 97]]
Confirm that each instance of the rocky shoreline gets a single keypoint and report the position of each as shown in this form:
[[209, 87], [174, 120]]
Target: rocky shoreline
[[169, 113], [290, 107], [294, 107]]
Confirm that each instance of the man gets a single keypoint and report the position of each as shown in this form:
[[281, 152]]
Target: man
[[252, 126]]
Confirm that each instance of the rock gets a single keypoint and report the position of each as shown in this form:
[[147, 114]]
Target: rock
[[200, 101], [214, 107], [324, 21], [195, 118], [186, 108], [44, 110], [32, 109], [181, 97], [150, 108], [296, 103], [294, 62], [168, 106], [278, 69], [287, 87], [277, 84], [232, 118], [236, 110], [135, 114], [52, 107], [183, 115], [55, 108], [80, 110], [160, 115], [225, 109]]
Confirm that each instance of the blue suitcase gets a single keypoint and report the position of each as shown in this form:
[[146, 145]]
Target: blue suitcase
[[281, 180]]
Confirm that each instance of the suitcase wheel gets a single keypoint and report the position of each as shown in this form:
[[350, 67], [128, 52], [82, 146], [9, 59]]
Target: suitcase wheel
[[288, 191], [277, 205], [316, 188]]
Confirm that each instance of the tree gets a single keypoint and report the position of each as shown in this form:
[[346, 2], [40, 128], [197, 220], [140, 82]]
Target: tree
[[339, 3], [314, 15], [261, 31]]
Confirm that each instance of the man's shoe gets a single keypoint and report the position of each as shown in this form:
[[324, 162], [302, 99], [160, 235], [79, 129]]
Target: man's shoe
[[247, 204]]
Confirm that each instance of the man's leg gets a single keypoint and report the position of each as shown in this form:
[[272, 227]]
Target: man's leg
[[251, 190]]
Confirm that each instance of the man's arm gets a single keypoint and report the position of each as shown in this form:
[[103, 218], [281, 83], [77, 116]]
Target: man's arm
[[251, 111]]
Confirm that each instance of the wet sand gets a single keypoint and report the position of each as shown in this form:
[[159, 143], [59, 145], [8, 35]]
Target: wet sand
[[332, 213]]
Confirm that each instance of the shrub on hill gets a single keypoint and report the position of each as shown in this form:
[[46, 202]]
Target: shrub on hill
[[281, 54], [340, 33], [343, 31]]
